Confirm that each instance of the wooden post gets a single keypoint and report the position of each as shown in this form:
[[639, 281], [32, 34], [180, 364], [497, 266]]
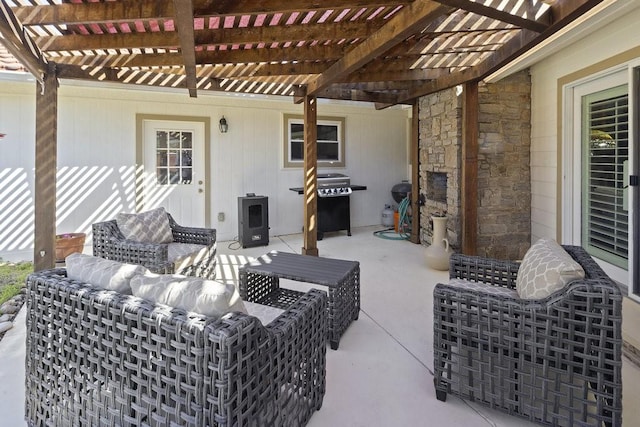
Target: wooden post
[[415, 173], [45, 174], [310, 176], [469, 193]]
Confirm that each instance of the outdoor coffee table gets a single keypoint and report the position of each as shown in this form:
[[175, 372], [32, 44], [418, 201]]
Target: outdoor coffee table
[[260, 283]]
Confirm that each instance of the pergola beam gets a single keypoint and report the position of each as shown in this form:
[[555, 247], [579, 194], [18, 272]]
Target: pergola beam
[[563, 13], [406, 22], [207, 37], [184, 25], [75, 13], [19, 44], [158, 79], [538, 25]]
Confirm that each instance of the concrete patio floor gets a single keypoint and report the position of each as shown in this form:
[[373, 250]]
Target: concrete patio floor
[[382, 373]]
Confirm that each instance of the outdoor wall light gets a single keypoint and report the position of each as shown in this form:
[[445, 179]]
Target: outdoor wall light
[[224, 127]]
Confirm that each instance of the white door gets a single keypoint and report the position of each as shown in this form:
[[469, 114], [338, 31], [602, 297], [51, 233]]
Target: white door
[[597, 217], [633, 171], [174, 170]]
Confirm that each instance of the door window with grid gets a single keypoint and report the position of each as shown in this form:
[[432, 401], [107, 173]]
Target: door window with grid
[[605, 156], [174, 157]]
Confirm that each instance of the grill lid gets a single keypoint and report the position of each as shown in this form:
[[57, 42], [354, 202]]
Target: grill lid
[[333, 180]]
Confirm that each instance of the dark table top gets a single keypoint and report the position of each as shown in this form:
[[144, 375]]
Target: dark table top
[[303, 268]]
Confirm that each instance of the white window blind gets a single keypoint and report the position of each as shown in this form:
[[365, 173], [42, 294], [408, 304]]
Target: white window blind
[[605, 219]]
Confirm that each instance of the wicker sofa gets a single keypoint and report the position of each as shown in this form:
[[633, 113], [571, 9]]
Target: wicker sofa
[[192, 252], [555, 360], [98, 357]]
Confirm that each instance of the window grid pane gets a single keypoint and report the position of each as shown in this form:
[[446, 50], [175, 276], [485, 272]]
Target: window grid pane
[[174, 157], [328, 142]]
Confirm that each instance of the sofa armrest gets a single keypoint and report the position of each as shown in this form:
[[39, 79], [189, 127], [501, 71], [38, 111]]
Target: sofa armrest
[[267, 374], [109, 243], [197, 235], [150, 255], [486, 270]]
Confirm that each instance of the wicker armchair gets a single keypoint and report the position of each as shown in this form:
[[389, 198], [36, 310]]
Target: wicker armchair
[[555, 361], [110, 243], [98, 357]]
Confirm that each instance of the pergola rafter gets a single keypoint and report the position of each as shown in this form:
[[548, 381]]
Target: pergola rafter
[[284, 42], [377, 51]]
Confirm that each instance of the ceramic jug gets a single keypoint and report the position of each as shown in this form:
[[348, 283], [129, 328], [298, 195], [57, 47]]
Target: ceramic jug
[[437, 255]]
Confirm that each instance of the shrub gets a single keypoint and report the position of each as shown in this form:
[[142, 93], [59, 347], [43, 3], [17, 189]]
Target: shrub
[[12, 278]]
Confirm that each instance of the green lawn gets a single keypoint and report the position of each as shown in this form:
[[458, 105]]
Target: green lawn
[[12, 278]]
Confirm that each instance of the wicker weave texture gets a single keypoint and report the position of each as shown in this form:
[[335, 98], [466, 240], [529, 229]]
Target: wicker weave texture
[[109, 243], [259, 281], [101, 358], [555, 361]]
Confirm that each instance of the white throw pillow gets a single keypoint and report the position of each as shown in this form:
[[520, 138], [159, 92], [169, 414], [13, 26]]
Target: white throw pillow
[[149, 227], [207, 297], [546, 268], [103, 273]]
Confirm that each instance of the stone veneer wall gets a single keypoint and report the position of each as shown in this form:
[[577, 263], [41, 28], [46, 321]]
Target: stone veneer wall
[[440, 117], [504, 177], [504, 193]]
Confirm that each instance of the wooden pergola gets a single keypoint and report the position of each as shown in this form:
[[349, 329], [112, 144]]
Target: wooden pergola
[[377, 51]]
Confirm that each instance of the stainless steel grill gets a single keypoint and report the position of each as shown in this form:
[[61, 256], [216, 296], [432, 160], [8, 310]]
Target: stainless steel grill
[[333, 185], [334, 213]]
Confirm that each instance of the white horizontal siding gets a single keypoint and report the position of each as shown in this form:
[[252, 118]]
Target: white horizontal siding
[[96, 155], [596, 46]]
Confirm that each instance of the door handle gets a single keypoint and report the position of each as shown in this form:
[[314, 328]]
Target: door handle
[[200, 182]]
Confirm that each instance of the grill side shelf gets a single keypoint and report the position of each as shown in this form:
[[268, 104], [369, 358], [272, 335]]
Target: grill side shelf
[[300, 190]]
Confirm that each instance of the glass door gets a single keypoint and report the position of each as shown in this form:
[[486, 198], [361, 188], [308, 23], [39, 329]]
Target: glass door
[[605, 175], [633, 190]]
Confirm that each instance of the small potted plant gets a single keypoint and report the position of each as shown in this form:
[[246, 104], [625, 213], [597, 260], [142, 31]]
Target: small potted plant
[[68, 243]]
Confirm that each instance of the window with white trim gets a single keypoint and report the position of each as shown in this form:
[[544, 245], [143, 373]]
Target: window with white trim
[[330, 141]]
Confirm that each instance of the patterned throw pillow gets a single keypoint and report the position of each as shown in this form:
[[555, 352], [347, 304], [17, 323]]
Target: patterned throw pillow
[[207, 297], [103, 273], [546, 268], [149, 227]]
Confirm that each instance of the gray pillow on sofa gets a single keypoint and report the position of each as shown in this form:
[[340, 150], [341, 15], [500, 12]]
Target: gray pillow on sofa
[[149, 227], [103, 273]]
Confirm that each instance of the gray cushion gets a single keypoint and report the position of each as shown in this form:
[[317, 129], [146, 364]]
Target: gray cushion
[[266, 314], [149, 227], [545, 269], [207, 297], [485, 288], [183, 255], [102, 273]]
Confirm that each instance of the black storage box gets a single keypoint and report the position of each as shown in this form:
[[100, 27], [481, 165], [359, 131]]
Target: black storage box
[[253, 221]]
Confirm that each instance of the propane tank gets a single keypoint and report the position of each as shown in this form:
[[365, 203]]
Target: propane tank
[[387, 216]]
